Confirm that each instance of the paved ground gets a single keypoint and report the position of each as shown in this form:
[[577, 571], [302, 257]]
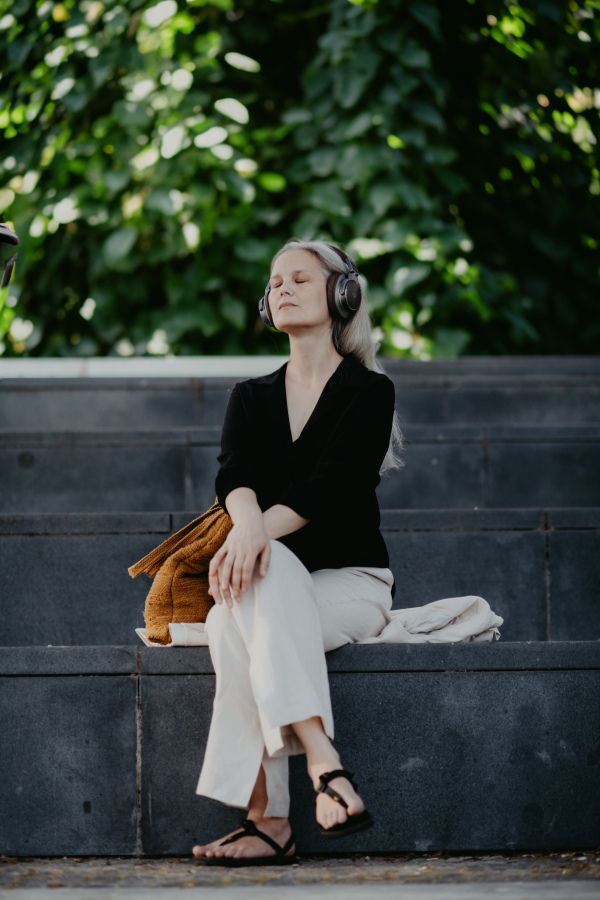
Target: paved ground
[[441, 876]]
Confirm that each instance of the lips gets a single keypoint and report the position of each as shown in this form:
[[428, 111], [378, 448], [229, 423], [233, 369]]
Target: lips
[[287, 303]]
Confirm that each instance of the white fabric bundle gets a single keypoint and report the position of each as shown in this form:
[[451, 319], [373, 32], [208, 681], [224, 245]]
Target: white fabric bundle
[[183, 634], [455, 619]]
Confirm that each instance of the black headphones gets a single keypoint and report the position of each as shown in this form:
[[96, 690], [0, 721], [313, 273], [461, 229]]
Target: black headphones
[[343, 293]]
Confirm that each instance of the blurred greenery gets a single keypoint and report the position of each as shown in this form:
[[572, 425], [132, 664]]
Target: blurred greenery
[[155, 155]]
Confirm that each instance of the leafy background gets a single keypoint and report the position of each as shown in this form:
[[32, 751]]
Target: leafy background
[[155, 155]]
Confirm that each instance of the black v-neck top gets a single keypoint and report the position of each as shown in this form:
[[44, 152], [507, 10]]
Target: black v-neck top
[[328, 475]]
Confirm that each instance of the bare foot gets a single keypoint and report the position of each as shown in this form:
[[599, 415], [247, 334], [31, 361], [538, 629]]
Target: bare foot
[[250, 846], [329, 811]]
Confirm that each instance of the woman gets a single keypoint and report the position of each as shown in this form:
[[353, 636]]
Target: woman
[[304, 569]]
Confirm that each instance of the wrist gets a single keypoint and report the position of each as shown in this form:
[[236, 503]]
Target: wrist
[[249, 517]]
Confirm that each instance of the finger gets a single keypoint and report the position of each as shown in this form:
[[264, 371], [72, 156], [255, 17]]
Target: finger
[[248, 571], [213, 586], [213, 576], [225, 578], [236, 577], [265, 559], [217, 558]]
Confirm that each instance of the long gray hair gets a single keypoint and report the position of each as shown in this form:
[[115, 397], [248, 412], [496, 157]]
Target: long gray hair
[[353, 335]]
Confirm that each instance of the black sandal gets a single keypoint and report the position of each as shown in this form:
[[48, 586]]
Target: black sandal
[[248, 826], [353, 823]]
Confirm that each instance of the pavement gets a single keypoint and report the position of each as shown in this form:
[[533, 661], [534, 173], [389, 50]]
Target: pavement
[[411, 876]]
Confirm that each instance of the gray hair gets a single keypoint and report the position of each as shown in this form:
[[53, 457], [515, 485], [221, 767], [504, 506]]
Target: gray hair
[[353, 335]]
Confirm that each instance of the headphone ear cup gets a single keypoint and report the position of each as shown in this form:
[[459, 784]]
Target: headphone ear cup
[[346, 295], [332, 283], [264, 310], [352, 294]]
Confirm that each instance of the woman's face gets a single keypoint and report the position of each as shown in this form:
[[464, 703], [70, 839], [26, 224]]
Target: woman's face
[[298, 295]]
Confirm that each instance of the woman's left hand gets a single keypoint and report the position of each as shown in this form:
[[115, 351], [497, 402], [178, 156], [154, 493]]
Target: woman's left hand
[[232, 567]]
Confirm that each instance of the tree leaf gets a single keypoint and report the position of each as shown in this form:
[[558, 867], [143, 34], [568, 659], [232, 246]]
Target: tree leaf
[[118, 245]]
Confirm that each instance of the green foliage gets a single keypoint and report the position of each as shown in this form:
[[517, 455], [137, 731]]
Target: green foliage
[[156, 154]]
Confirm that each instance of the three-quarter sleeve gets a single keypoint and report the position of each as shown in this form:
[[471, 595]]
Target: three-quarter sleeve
[[351, 458], [237, 456]]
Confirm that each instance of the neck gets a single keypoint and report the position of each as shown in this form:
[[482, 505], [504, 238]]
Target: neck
[[313, 358]]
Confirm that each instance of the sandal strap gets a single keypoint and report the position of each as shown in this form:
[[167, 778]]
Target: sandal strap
[[249, 828], [326, 777]]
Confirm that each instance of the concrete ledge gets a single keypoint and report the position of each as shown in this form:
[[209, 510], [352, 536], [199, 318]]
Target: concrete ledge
[[391, 520], [501, 656], [87, 523], [249, 366], [70, 660], [481, 747], [193, 391], [142, 367], [152, 469], [210, 436], [65, 580]]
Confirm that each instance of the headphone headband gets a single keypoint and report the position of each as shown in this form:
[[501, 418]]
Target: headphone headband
[[344, 294], [350, 264]]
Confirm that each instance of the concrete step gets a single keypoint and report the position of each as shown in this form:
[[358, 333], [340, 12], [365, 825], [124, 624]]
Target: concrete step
[[490, 391], [64, 580], [463, 747], [150, 469]]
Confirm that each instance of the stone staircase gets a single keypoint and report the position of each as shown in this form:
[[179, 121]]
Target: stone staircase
[[458, 747]]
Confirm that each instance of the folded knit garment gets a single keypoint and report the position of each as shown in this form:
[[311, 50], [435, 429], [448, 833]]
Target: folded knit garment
[[453, 620], [179, 566]]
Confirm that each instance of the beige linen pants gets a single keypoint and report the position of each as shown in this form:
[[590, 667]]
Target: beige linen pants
[[268, 652]]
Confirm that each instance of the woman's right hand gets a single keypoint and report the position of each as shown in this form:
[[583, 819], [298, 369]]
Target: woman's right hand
[[232, 567]]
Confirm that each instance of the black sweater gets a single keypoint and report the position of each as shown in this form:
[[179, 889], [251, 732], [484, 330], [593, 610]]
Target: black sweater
[[328, 475]]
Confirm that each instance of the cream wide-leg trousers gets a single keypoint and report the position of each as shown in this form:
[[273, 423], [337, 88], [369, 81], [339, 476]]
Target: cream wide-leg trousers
[[268, 652]]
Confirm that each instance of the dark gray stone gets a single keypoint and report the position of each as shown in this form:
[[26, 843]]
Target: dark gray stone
[[491, 747], [462, 519], [64, 580], [521, 740], [505, 568], [549, 434], [175, 661], [82, 523], [92, 479], [68, 762], [66, 590], [204, 468], [215, 398], [524, 391], [209, 436], [176, 714], [181, 519], [69, 660], [440, 476], [102, 438], [538, 474], [463, 760], [575, 517], [472, 655], [574, 578], [475, 656], [99, 403], [462, 402], [481, 368], [446, 468], [438, 433]]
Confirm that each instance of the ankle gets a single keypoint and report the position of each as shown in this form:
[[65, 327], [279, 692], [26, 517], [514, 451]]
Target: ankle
[[277, 823], [318, 767]]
